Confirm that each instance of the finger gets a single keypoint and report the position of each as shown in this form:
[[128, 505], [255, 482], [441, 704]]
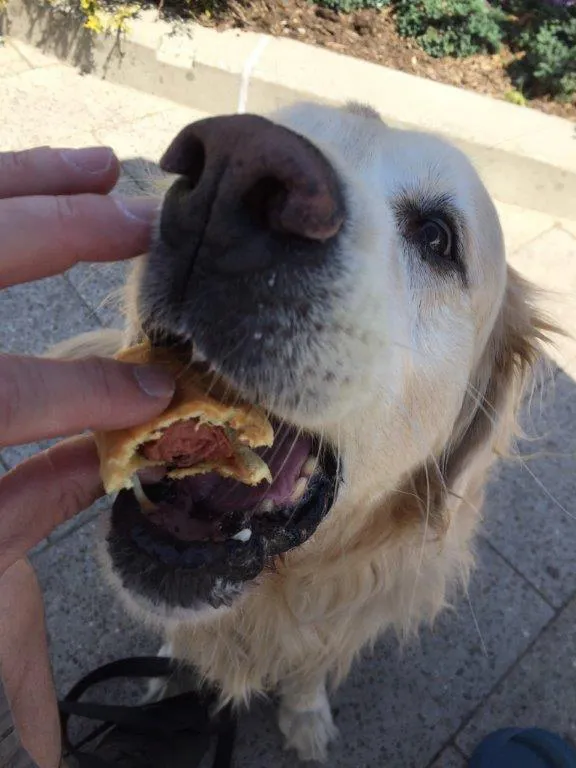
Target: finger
[[41, 398], [43, 236], [46, 171], [43, 492]]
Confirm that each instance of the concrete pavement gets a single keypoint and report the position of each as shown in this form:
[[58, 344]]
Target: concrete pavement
[[507, 656]]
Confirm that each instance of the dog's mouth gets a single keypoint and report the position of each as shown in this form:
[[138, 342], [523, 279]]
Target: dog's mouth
[[201, 533], [209, 520]]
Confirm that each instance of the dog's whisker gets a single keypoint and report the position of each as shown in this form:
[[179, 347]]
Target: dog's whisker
[[548, 493], [522, 460], [473, 614], [420, 557]]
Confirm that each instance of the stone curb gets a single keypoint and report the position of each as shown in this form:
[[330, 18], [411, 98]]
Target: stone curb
[[527, 158]]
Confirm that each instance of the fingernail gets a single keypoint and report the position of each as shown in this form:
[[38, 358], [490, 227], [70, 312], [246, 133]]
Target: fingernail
[[91, 159], [142, 209], [154, 381]]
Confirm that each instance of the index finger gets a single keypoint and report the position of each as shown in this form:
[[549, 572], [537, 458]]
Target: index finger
[[43, 236], [46, 171]]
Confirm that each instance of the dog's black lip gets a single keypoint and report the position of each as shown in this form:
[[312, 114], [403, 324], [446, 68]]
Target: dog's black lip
[[234, 560], [165, 339]]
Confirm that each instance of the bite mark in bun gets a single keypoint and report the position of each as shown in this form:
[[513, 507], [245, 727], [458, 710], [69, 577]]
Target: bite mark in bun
[[204, 429]]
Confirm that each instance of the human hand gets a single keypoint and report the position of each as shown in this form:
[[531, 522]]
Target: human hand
[[54, 213]]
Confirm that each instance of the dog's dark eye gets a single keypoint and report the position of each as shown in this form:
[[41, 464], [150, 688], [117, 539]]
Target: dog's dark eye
[[434, 238]]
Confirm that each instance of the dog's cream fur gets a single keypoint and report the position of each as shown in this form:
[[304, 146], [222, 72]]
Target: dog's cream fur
[[434, 376]]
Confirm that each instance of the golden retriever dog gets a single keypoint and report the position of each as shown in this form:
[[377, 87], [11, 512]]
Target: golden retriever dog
[[350, 278]]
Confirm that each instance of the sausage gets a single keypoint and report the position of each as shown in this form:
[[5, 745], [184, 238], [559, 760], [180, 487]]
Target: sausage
[[186, 443]]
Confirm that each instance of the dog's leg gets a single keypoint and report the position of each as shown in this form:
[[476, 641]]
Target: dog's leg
[[157, 686], [305, 718], [182, 681]]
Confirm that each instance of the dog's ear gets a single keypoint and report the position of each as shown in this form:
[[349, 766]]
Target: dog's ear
[[490, 410], [488, 418]]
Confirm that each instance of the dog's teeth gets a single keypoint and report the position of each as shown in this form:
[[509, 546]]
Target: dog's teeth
[[267, 505], [146, 504], [299, 489], [243, 535], [309, 466]]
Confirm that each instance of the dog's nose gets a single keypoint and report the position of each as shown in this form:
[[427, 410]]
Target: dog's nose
[[246, 178]]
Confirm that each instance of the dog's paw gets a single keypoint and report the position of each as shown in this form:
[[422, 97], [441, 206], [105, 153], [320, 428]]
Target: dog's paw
[[309, 731]]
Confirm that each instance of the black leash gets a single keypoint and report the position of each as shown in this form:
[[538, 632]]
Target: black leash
[[148, 733]]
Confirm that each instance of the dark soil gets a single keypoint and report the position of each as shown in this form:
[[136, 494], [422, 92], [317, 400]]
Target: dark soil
[[371, 34]]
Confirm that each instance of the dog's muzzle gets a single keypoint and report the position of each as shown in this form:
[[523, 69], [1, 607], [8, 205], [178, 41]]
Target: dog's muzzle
[[241, 273]]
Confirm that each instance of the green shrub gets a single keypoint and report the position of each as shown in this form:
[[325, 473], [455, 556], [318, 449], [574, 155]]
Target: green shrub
[[526, 17], [515, 97], [549, 64], [450, 27], [347, 6]]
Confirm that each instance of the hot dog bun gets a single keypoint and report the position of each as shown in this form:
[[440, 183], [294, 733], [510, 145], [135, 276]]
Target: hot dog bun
[[210, 405]]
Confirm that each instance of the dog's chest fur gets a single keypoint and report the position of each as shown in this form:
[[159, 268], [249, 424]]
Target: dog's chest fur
[[312, 616]]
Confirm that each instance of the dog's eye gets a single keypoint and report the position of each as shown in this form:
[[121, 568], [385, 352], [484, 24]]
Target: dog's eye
[[434, 238]]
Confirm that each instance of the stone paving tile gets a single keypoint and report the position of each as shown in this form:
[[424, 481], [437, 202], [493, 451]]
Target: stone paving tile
[[147, 175], [549, 261], [36, 315], [530, 515], [11, 62], [450, 758], [126, 185], [400, 709], [15, 454], [521, 226], [569, 226], [540, 690], [88, 104], [87, 626], [32, 318], [148, 137], [34, 56], [100, 284], [52, 133], [142, 144], [71, 526]]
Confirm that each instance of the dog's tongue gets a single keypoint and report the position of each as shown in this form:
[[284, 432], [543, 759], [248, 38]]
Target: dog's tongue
[[285, 458]]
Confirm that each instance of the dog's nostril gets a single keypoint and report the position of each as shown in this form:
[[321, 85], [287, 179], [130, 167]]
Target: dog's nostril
[[263, 187], [263, 200], [187, 158]]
